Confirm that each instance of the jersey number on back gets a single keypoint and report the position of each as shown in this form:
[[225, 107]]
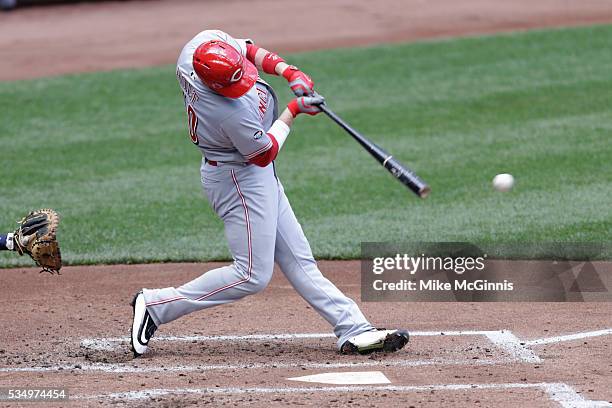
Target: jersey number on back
[[193, 124]]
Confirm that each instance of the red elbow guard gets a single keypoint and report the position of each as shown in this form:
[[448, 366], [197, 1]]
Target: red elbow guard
[[265, 158]]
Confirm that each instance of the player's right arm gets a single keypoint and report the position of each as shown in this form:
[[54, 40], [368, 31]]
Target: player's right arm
[[265, 61], [259, 147], [273, 64]]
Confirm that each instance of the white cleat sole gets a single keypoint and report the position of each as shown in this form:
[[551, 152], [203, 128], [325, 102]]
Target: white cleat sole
[[140, 311]]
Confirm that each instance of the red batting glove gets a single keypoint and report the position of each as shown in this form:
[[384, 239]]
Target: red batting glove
[[306, 104], [300, 83]]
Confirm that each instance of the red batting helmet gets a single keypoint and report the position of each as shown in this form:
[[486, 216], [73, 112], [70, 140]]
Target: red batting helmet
[[224, 69]]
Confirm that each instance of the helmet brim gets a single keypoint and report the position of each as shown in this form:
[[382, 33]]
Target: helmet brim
[[249, 77]]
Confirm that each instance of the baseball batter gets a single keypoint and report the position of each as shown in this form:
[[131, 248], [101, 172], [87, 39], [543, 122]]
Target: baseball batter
[[233, 119]]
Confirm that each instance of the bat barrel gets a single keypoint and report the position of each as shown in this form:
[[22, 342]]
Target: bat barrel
[[407, 177], [397, 169]]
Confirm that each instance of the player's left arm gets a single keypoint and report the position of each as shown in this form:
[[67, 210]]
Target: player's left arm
[[273, 64], [281, 127]]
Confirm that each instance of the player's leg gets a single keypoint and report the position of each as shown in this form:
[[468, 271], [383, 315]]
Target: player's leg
[[246, 199], [294, 256], [246, 202]]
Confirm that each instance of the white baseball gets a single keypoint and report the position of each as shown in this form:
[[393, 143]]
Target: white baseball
[[503, 182]]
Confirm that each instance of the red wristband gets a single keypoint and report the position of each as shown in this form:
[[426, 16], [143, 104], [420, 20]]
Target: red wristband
[[269, 63], [293, 107], [288, 72]]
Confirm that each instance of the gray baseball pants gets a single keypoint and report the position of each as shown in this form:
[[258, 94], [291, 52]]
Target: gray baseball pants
[[261, 229]]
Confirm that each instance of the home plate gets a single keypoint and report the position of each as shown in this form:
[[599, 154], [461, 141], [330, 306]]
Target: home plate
[[346, 378]]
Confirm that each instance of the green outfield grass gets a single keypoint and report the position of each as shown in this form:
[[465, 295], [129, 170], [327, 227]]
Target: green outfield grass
[[110, 151]]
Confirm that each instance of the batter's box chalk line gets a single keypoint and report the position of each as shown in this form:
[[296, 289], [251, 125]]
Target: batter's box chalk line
[[561, 393], [146, 368], [504, 340]]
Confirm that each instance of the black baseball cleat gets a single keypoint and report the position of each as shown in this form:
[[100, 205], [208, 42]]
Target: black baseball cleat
[[143, 326], [375, 340]]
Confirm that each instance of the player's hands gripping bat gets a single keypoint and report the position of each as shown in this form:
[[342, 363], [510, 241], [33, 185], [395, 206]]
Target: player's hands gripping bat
[[37, 237], [300, 83], [306, 104]]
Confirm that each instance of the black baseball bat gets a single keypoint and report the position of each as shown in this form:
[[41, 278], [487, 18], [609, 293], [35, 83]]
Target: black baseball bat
[[399, 171]]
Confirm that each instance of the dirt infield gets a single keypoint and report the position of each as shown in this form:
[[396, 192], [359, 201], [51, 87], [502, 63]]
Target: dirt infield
[[71, 331], [45, 41]]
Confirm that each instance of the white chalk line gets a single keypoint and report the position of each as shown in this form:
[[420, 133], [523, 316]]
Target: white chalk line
[[503, 339], [561, 393], [125, 368], [512, 345], [108, 343], [568, 337], [567, 397], [272, 337]]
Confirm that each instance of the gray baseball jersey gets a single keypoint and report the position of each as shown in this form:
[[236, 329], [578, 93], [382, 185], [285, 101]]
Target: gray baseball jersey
[[225, 129], [260, 225]]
